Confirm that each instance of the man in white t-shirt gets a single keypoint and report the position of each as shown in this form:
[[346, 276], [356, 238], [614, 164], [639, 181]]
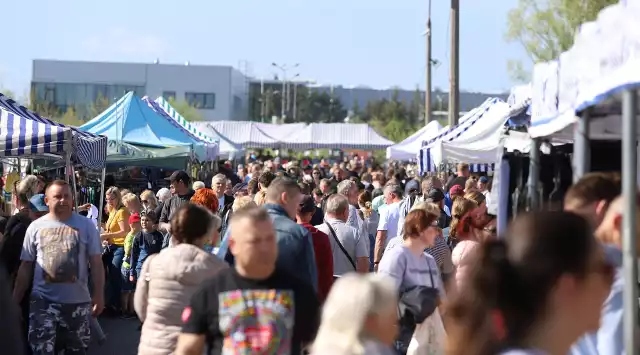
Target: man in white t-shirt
[[389, 217]]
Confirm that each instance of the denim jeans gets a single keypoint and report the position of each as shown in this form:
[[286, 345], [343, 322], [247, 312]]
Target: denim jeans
[[114, 279]]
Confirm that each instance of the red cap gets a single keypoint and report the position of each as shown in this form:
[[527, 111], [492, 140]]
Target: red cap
[[456, 190], [134, 218]]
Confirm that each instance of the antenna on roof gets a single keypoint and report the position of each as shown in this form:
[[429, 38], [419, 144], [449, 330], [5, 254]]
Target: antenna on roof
[[187, 63], [157, 61]]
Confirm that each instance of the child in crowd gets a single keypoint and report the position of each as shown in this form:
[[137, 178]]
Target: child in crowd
[[127, 286], [146, 242]]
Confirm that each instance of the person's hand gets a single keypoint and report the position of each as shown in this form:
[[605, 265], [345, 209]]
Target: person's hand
[[98, 305], [84, 207], [131, 278]]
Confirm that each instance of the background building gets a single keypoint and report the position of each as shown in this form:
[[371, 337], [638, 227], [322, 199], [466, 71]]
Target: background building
[[219, 92]]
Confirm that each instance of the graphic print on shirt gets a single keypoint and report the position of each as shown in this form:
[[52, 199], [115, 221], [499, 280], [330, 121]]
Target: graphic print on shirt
[[60, 251], [256, 321]]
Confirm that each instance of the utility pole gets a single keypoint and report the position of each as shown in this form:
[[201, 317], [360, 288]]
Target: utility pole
[[454, 87], [263, 104], [295, 101], [427, 90], [284, 93]]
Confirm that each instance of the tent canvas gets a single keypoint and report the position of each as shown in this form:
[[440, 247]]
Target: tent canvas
[[131, 120], [409, 148], [243, 133], [337, 136], [226, 148], [88, 149], [20, 136]]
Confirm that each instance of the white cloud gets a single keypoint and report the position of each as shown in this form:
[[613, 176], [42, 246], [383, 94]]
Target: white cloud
[[120, 41]]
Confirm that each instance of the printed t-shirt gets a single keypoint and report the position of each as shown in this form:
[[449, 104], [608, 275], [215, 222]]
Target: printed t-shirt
[[61, 252], [113, 226], [274, 316]]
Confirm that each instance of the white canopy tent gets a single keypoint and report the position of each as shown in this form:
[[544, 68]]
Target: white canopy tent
[[408, 148]]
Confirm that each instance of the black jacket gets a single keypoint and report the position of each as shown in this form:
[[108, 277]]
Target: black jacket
[[11, 241]]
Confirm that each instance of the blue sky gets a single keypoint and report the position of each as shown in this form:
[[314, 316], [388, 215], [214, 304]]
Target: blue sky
[[376, 43]]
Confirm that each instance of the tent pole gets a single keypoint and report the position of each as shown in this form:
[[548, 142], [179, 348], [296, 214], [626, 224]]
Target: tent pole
[[534, 175], [629, 191], [75, 187], [581, 151], [102, 194]]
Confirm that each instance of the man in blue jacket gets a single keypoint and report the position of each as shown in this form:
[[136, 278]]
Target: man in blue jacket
[[295, 248]]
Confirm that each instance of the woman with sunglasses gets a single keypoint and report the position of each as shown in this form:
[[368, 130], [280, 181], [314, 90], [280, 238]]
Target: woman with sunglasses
[[534, 292], [150, 202]]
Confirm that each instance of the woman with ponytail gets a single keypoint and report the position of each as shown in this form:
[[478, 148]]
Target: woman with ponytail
[[534, 292]]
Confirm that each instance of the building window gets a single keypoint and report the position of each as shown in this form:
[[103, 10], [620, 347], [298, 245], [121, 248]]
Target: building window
[[169, 95], [201, 100]]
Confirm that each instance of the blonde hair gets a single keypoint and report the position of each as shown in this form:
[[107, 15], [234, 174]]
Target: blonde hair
[[471, 183], [130, 198], [342, 330], [114, 192], [242, 203], [461, 206], [150, 197], [475, 196], [260, 197], [430, 208]]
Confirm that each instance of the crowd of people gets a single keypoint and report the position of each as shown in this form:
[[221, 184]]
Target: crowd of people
[[327, 260]]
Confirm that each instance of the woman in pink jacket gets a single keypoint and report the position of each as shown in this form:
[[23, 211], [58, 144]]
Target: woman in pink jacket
[[462, 236], [169, 279]]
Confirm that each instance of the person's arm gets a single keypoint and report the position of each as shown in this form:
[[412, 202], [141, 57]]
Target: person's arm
[[307, 318], [94, 253], [23, 280], [28, 255], [195, 323], [135, 254], [381, 237], [362, 253], [164, 224], [124, 229], [310, 258]]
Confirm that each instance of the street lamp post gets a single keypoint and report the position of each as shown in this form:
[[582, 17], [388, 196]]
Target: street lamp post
[[284, 68]]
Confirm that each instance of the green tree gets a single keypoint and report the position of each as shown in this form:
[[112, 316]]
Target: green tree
[[546, 28], [70, 118], [189, 112], [102, 103], [319, 107]]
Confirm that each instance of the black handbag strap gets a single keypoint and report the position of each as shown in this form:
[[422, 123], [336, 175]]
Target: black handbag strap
[[335, 237]]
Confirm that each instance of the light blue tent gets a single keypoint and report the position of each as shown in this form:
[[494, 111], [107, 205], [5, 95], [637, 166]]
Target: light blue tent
[[131, 120]]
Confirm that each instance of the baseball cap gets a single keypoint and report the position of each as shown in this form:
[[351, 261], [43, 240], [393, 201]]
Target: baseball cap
[[435, 195], [411, 186], [134, 218], [484, 179], [306, 205], [456, 190], [37, 204], [180, 175], [239, 187]]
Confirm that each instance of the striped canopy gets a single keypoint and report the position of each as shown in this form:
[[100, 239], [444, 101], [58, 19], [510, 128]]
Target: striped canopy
[[169, 110], [88, 149], [336, 136], [21, 136], [211, 147]]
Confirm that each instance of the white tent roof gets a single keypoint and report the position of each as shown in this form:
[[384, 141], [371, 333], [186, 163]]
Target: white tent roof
[[245, 133], [480, 143], [409, 148], [336, 136]]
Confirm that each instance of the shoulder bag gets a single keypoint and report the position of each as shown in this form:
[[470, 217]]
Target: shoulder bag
[[335, 237]]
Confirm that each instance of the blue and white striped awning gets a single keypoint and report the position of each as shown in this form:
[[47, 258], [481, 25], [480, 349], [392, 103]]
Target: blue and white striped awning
[[466, 122], [88, 149], [243, 133], [209, 145], [171, 112], [21, 136]]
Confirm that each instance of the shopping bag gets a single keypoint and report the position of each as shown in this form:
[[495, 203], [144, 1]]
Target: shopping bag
[[429, 337]]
